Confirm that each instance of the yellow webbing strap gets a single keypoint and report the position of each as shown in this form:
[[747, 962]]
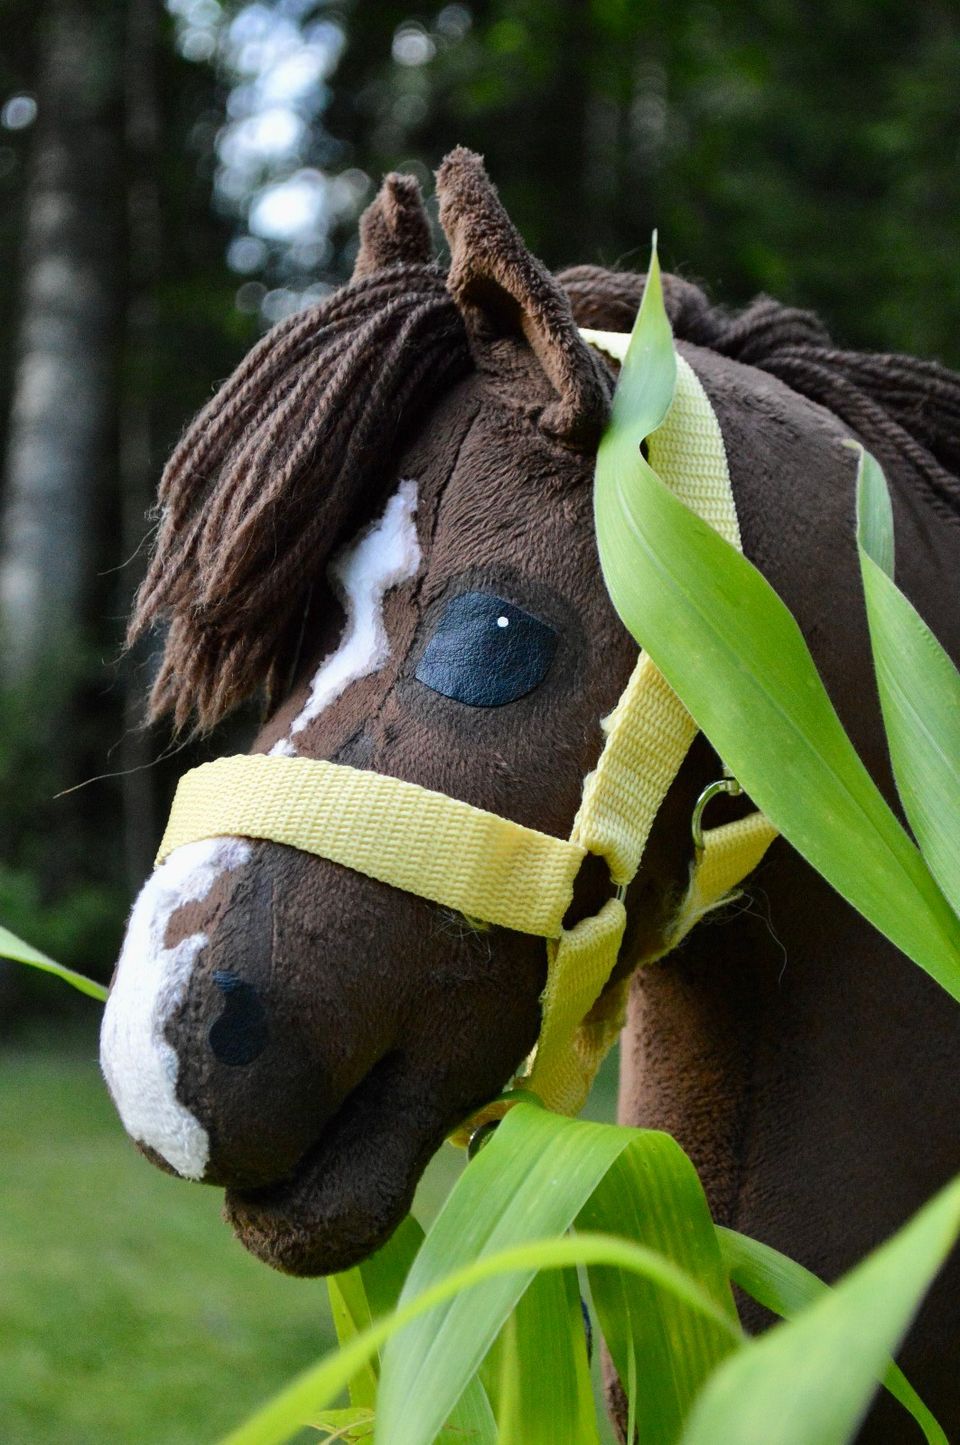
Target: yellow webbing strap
[[648, 735], [423, 842]]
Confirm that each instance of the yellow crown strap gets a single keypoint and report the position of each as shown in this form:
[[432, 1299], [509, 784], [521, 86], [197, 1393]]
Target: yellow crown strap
[[423, 842], [648, 735]]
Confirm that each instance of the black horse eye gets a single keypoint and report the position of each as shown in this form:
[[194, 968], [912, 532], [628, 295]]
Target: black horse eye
[[486, 652]]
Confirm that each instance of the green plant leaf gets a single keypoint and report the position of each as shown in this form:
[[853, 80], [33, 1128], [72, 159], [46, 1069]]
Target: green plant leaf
[[384, 1273], [546, 1397], [730, 648], [14, 948], [649, 376], [355, 1423], [311, 1392], [816, 1375], [371, 1289], [534, 1178], [786, 1288], [651, 1338], [919, 691], [351, 1316]]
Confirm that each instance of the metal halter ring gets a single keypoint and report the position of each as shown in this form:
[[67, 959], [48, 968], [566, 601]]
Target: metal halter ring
[[727, 784]]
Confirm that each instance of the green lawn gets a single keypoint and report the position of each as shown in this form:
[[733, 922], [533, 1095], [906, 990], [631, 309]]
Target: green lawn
[[128, 1313], [127, 1310]]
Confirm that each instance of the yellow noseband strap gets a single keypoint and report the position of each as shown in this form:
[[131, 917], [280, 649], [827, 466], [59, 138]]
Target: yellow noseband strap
[[423, 842], [495, 870]]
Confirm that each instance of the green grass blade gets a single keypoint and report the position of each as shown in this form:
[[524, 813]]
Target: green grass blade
[[385, 1272], [731, 650], [660, 1335], [14, 948], [355, 1423], [919, 691], [534, 1178], [360, 1295], [816, 1375], [785, 1288], [351, 1316], [371, 1289], [649, 374], [546, 1397], [311, 1392]]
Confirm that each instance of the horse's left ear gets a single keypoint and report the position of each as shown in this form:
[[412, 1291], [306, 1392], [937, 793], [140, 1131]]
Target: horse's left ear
[[501, 290], [394, 227]]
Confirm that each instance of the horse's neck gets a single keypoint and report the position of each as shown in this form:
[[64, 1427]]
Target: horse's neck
[[787, 1033], [794, 484]]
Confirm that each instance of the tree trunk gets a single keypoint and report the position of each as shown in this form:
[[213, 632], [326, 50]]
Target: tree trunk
[[137, 409], [63, 396], [59, 455]]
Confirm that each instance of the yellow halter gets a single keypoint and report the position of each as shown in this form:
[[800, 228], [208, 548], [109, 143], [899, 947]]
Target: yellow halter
[[492, 869]]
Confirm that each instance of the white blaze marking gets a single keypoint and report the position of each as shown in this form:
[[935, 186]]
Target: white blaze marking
[[362, 573], [139, 1064]]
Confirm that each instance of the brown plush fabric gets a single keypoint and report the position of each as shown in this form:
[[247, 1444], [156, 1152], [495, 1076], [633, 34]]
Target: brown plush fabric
[[502, 291], [393, 229], [809, 1069]]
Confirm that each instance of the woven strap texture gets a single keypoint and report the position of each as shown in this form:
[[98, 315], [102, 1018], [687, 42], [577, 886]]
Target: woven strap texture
[[423, 842], [648, 735]]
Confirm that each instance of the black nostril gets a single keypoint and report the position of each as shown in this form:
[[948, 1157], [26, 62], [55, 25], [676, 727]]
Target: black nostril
[[240, 1034]]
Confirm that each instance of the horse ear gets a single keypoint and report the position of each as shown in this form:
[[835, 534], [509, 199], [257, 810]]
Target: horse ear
[[502, 290], [394, 227]]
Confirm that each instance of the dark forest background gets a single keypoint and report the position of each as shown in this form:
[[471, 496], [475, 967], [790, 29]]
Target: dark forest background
[[175, 178]]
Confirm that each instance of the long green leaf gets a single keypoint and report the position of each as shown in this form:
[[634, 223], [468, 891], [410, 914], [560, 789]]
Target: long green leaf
[[651, 1337], [351, 1316], [534, 1178], [311, 1392], [546, 1397], [919, 691], [816, 1375], [731, 650], [372, 1288], [13, 947], [785, 1287]]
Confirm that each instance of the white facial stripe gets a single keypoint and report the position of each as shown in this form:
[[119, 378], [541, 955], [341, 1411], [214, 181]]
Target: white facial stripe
[[139, 1064], [380, 558]]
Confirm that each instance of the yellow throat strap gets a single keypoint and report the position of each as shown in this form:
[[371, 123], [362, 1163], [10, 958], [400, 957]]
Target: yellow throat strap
[[495, 870]]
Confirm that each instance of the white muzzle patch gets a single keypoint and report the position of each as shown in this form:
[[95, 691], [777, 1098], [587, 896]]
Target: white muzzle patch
[[139, 1065]]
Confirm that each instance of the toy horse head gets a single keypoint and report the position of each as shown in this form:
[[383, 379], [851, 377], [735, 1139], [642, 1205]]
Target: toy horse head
[[383, 521], [390, 504]]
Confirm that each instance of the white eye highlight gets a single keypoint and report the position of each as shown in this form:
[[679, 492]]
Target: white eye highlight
[[503, 621]]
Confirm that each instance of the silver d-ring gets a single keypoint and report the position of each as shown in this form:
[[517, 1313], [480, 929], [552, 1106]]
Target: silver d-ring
[[480, 1135], [728, 785]]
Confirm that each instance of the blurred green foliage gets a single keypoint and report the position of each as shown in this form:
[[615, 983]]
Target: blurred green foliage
[[127, 1312], [809, 153]]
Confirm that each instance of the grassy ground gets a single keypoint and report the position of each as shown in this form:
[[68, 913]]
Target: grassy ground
[[128, 1313]]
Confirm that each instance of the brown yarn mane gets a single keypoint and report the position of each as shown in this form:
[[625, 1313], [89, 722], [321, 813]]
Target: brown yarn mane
[[280, 461], [907, 409], [283, 458]]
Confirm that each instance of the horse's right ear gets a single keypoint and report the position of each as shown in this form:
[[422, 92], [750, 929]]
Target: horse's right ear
[[394, 227], [502, 290]]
